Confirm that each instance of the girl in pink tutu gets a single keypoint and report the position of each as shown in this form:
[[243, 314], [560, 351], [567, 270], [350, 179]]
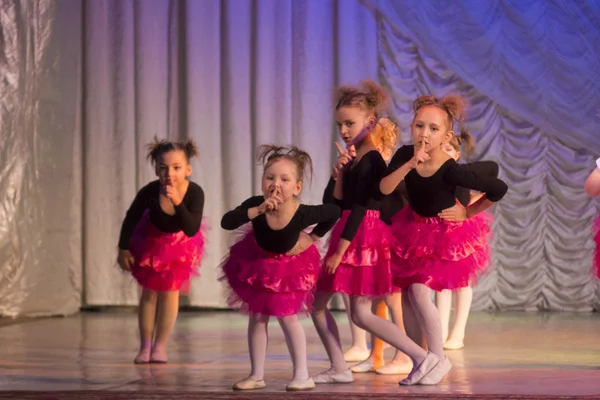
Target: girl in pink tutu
[[263, 277], [453, 339], [358, 259], [429, 251], [161, 243], [592, 188]]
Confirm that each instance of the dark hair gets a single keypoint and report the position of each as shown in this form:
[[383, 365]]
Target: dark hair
[[267, 154], [466, 140], [160, 146]]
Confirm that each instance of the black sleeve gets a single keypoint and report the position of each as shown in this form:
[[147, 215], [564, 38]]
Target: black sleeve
[[369, 172], [401, 157], [494, 188], [463, 195], [190, 215], [328, 193], [134, 214], [324, 215], [488, 169], [238, 217]]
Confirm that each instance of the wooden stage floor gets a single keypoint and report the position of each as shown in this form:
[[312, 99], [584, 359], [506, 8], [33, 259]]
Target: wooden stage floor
[[89, 356]]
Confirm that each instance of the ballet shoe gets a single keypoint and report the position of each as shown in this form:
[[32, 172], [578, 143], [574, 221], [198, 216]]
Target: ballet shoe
[[429, 363], [454, 344], [297, 385], [394, 368], [250, 384], [355, 354], [143, 357], [330, 376], [437, 373], [363, 367], [158, 356]]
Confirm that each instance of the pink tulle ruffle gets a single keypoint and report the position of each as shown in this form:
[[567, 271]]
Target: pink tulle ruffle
[[365, 266], [260, 282], [438, 253], [165, 261]]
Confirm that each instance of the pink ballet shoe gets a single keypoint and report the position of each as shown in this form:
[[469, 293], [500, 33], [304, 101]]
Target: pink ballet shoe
[[430, 362], [437, 373], [159, 355], [297, 385], [394, 368], [143, 357], [250, 384]]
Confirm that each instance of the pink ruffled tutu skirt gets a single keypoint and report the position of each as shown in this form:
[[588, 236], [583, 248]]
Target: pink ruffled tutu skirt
[[438, 253], [365, 269], [596, 267], [261, 282], [164, 261]]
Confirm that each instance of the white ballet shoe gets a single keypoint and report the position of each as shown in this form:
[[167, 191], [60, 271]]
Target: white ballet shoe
[[297, 385], [329, 377], [395, 369], [431, 360], [454, 345], [363, 367], [249, 384], [437, 373], [355, 354]]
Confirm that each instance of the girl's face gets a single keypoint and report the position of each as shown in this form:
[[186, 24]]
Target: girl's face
[[281, 177], [354, 124], [451, 151], [430, 128], [173, 168]]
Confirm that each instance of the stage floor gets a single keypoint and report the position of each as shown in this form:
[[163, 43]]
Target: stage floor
[[509, 355]]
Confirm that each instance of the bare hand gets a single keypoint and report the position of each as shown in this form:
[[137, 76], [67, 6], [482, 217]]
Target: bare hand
[[457, 213], [332, 263], [125, 260], [420, 156], [303, 243], [343, 159], [173, 194], [270, 204]]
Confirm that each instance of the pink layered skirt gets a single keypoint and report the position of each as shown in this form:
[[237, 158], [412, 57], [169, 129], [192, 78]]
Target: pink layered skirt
[[261, 282], [365, 269], [439, 253], [164, 261]]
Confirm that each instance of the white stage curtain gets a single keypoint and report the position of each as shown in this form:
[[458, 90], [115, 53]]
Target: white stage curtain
[[40, 157], [84, 85], [534, 91]]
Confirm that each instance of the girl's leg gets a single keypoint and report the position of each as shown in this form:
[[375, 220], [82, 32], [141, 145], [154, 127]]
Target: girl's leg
[[428, 317], [443, 302], [168, 308], [296, 343], [258, 339], [328, 332], [146, 321], [401, 363], [462, 307], [358, 351]]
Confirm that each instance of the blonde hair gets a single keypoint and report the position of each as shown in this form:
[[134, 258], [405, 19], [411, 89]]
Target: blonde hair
[[466, 140], [267, 154], [369, 96], [453, 105]]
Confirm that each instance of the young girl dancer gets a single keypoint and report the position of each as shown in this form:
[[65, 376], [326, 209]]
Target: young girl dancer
[[262, 278], [592, 188], [358, 259], [463, 296], [430, 252], [161, 243]]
